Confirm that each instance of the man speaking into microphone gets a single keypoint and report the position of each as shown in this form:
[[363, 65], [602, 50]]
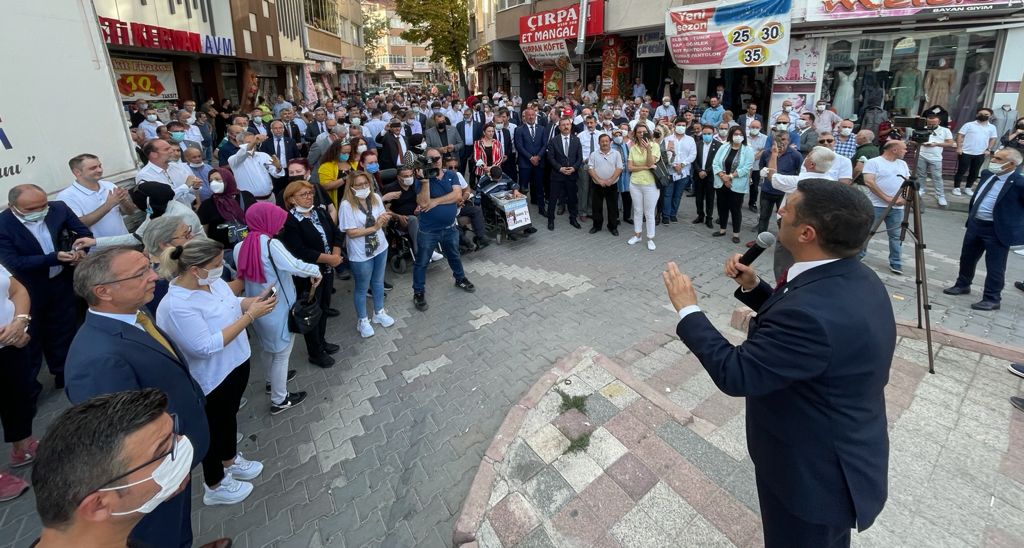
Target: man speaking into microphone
[[813, 370]]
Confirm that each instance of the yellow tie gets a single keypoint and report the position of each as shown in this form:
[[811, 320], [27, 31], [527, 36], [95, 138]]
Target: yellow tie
[[147, 325]]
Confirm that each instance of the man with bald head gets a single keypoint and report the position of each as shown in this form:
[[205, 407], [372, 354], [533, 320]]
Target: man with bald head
[[230, 145], [35, 236]]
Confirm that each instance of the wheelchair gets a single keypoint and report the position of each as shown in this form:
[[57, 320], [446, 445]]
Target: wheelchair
[[400, 251]]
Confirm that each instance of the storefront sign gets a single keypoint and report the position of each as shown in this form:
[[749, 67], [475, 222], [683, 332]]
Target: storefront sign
[[831, 10], [561, 23], [650, 44], [729, 34], [550, 55], [421, 66], [141, 35], [144, 79]]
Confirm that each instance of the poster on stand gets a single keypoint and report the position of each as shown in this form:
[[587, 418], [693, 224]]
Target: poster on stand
[[729, 34]]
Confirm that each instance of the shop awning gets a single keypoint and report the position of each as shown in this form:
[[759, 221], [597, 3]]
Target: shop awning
[[321, 57], [403, 74]]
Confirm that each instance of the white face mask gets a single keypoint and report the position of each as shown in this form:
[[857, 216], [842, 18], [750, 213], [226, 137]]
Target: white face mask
[[196, 165], [499, 126], [303, 210], [845, 131], [723, 132], [212, 275], [996, 168], [787, 109], [617, 139], [737, 139], [819, 108], [801, 123], [406, 181], [361, 149], [151, 117], [168, 475], [217, 187], [680, 130], [362, 193], [754, 131], [782, 126], [355, 121]]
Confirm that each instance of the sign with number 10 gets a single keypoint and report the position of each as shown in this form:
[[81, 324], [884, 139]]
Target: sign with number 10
[[730, 34]]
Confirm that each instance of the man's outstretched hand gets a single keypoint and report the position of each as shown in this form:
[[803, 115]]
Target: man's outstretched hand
[[680, 288]]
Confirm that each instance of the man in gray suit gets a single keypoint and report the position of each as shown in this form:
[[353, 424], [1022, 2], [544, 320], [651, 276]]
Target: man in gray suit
[[317, 149], [443, 138]]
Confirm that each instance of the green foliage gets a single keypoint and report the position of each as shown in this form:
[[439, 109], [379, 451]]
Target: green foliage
[[375, 32], [572, 402], [579, 444], [445, 23]]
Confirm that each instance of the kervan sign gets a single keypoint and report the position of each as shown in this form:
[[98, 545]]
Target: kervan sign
[[119, 33], [562, 23]]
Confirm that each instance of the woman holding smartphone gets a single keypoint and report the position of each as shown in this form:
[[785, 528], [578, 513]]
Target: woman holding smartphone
[[643, 154]]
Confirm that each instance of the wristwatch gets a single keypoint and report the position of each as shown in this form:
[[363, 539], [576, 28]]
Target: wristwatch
[[25, 318]]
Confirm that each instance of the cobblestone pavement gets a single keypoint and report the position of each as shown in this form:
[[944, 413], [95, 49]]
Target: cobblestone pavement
[[383, 451]]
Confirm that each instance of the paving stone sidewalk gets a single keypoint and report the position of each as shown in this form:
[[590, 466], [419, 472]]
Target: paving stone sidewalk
[[667, 464]]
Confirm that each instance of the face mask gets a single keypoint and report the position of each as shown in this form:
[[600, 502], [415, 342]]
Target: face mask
[[293, 178], [707, 137], [617, 139], [361, 149], [217, 187], [845, 131], [406, 181], [982, 117], [303, 210], [723, 132], [819, 108], [788, 109], [212, 275], [196, 165], [35, 215], [143, 106], [373, 167], [801, 123], [782, 127], [618, 113], [499, 126], [343, 157], [754, 132], [362, 193], [177, 136], [680, 130], [168, 475], [737, 139], [996, 167], [258, 121], [355, 121], [151, 117]]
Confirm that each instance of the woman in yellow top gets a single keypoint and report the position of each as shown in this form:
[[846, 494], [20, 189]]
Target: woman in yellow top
[[644, 152], [334, 168]]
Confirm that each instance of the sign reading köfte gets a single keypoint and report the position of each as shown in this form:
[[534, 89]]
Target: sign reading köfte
[[561, 23], [119, 33], [729, 34], [837, 10]]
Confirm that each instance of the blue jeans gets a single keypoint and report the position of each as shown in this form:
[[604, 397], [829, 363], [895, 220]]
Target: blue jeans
[[892, 229], [673, 195], [448, 237], [368, 274]]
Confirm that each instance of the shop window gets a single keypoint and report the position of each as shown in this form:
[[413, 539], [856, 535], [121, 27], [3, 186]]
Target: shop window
[[322, 14], [905, 74]]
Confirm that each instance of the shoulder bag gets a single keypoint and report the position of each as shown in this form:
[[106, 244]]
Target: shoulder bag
[[303, 316]]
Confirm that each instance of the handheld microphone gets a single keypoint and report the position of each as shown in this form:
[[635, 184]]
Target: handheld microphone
[[763, 241]]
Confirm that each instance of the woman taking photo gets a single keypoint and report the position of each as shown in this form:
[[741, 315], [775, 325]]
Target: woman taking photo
[[334, 168], [732, 180], [643, 154], [202, 315], [18, 386], [310, 235], [487, 151], [362, 216], [223, 213]]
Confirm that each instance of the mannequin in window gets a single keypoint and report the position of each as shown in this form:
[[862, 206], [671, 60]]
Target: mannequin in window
[[843, 101], [907, 89], [938, 84], [972, 94]]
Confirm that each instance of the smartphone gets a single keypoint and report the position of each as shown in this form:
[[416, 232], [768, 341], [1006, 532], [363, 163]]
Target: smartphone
[[271, 292]]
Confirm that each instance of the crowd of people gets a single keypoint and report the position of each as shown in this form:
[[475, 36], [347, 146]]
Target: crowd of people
[[229, 243]]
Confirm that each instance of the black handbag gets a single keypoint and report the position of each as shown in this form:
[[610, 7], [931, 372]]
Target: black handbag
[[303, 316], [662, 171]]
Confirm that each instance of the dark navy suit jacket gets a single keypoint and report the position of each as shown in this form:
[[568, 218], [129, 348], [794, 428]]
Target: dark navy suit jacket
[[813, 370], [21, 253], [527, 147], [1008, 212]]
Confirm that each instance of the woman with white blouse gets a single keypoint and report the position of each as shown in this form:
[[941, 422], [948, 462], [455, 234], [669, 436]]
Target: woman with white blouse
[[361, 215], [207, 321], [18, 386]]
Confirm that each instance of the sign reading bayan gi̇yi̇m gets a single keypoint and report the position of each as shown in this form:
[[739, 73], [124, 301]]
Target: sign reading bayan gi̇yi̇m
[[729, 34]]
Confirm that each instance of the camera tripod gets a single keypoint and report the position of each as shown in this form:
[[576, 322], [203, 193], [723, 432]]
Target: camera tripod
[[908, 191]]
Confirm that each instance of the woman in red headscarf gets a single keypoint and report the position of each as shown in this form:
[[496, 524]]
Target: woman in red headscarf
[[223, 213]]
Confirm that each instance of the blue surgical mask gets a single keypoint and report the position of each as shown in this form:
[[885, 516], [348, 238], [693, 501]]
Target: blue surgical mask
[[707, 137], [343, 157], [178, 136], [372, 167]]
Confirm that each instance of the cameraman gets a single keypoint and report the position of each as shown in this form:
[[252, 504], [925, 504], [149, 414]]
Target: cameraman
[[437, 196], [929, 162]]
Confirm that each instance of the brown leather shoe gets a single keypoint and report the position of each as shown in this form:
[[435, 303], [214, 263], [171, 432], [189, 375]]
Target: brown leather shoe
[[219, 543]]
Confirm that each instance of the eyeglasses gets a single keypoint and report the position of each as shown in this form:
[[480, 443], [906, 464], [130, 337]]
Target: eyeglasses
[[173, 451], [141, 273], [304, 194], [826, 141]]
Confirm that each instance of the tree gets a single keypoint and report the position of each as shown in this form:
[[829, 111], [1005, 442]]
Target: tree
[[445, 23], [375, 32]]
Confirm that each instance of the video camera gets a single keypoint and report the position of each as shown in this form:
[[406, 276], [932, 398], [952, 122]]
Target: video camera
[[916, 127], [421, 162]]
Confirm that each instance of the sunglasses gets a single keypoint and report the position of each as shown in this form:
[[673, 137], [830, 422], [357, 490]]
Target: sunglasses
[[826, 141]]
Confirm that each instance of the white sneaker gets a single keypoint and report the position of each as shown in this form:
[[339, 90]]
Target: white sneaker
[[969, 191], [244, 469], [364, 328], [633, 240], [436, 257], [956, 192], [381, 318], [650, 245], [943, 202], [230, 491]]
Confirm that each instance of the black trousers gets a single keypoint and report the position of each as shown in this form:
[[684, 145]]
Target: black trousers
[[730, 204], [315, 339], [19, 392], [222, 418], [531, 181], [785, 530], [979, 239], [601, 196], [627, 207], [755, 186], [764, 214], [476, 219], [467, 160], [54, 322], [563, 187], [969, 165], [704, 195], [510, 167]]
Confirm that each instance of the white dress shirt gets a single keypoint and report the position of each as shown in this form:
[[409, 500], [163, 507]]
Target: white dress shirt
[[175, 176], [83, 201], [280, 149], [589, 140], [130, 319], [253, 172], [149, 128], [41, 233], [194, 320], [983, 210], [685, 154]]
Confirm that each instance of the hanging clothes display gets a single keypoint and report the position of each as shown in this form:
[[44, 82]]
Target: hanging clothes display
[[843, 101]]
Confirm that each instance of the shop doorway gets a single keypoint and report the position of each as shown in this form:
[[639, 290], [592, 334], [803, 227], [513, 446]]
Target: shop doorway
[[741, 86]]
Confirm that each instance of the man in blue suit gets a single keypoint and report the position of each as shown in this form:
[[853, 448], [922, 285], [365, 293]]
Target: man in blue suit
[[531, 141], [120, 348], [995, 221], [813, 370], [469, 131], [35, 246]]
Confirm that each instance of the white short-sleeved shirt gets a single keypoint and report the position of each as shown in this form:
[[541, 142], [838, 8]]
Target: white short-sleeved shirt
[[841, 169], [604, 165], [939, 135], [6, 304], [887, 177], [83, 201], [349, 218], [976, 136]]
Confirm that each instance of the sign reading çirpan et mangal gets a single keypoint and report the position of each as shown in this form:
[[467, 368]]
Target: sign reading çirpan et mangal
[[561, 23]]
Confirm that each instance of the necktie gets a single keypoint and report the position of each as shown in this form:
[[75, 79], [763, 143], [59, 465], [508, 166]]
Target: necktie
[[531, 132], [322, 129], [147, 325], [591, 141], [280, 150], [781, 281], [565, 144], [978, 198]]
